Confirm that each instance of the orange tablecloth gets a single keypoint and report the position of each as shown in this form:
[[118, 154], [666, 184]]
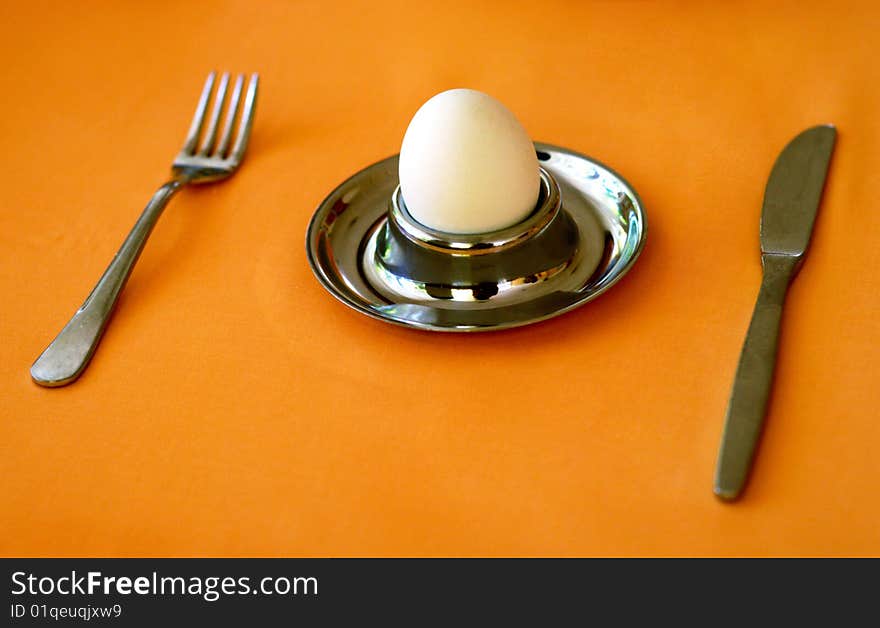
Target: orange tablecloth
[[235, 408]]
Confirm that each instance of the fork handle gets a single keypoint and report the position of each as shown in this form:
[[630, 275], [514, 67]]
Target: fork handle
[[753, 379], [67, 356]]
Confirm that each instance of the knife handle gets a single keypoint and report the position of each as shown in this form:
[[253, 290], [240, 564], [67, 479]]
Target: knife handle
[[754, 377]]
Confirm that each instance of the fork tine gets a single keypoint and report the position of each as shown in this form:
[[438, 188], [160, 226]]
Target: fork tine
[[193, 136], [247, 119], [230, 118], [211, 132]]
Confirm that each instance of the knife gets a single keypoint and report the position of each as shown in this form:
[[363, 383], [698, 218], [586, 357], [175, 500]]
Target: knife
[[791, 200]]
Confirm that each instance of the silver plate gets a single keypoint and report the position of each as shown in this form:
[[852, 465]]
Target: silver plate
[[611, 231]]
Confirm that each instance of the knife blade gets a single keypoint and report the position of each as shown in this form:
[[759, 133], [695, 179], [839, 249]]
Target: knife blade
[[791, 201], [794, 190]]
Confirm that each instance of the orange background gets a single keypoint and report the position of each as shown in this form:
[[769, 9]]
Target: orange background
[[235, 408]]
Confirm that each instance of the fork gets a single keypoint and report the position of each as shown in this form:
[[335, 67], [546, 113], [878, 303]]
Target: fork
[[64, 360]]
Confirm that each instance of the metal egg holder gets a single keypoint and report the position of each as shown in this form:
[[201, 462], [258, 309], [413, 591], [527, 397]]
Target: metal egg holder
[[586, 232]]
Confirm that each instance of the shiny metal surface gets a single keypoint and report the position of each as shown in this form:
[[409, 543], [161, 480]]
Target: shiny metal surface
[[67, 356], [586, 233], [478, 244], [791, 201]]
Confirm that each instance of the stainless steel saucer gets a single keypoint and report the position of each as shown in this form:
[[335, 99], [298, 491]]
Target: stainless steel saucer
[[585, 234]]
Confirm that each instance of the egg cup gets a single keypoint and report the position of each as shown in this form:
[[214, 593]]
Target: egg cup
[[585, 233]]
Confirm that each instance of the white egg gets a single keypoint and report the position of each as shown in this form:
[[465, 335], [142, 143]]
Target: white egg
[[467, 165]]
